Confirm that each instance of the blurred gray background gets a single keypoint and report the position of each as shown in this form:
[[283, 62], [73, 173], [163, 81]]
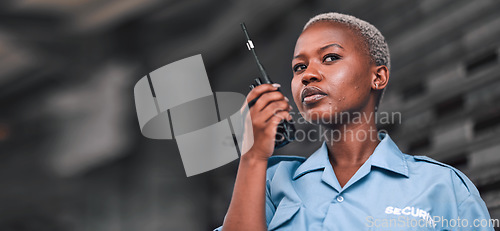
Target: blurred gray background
[[71, 153]]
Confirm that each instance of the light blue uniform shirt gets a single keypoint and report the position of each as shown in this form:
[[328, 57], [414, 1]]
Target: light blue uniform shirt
[[390, 191]]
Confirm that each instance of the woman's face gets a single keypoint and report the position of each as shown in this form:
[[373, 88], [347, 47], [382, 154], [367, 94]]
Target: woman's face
[[333, 69]]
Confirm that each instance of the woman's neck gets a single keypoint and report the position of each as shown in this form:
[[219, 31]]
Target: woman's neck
[[350, 148], [351, 144]]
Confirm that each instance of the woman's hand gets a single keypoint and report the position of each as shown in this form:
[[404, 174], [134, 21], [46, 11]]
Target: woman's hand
[[264, 116]]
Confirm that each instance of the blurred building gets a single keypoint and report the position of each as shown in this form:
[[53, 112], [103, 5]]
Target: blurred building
[[71, 153]]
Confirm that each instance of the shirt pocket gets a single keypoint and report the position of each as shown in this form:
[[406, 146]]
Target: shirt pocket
[[284, 213]]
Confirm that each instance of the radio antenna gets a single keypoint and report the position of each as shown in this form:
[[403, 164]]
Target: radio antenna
[[251, 47]]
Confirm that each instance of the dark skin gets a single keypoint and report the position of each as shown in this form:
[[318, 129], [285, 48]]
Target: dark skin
[[352, 83], [333, 57]]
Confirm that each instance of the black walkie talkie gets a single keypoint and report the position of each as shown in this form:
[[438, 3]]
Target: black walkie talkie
[[286, 130]]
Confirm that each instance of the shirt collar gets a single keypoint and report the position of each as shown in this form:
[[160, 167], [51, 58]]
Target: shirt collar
[[386, 155]]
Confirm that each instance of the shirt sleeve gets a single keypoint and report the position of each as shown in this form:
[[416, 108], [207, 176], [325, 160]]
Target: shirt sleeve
[[474, 210], [270, 208]]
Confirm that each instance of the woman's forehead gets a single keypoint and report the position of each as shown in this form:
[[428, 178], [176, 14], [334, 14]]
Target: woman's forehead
[[322, 34]]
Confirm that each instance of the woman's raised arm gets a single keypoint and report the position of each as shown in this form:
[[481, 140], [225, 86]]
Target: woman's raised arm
[[247, 208]]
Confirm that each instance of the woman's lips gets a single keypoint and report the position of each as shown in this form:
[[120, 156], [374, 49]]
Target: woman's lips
[[312, 94], [312, 99]]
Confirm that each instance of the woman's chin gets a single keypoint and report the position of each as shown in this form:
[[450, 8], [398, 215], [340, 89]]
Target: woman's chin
[[320, 117]]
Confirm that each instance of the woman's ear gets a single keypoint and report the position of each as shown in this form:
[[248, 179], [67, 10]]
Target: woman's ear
[[380, 77]]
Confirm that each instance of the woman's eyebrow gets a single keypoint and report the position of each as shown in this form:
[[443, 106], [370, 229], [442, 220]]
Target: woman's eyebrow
[[297, 56], [331, 45], [322, 49]]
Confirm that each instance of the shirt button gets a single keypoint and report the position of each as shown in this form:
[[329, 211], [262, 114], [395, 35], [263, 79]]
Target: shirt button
[[340, 198]]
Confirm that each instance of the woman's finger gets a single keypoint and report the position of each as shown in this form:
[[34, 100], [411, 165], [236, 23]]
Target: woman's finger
[[255, 93], [267, 98], [274, 108]]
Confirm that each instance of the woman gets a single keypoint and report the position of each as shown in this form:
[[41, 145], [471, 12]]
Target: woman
[[352, 182]]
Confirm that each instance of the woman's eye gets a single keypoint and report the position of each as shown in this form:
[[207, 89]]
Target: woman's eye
[[299, 67], [330, 57]]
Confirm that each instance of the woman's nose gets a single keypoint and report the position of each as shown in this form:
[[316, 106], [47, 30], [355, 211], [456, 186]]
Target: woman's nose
[[310, 75]]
